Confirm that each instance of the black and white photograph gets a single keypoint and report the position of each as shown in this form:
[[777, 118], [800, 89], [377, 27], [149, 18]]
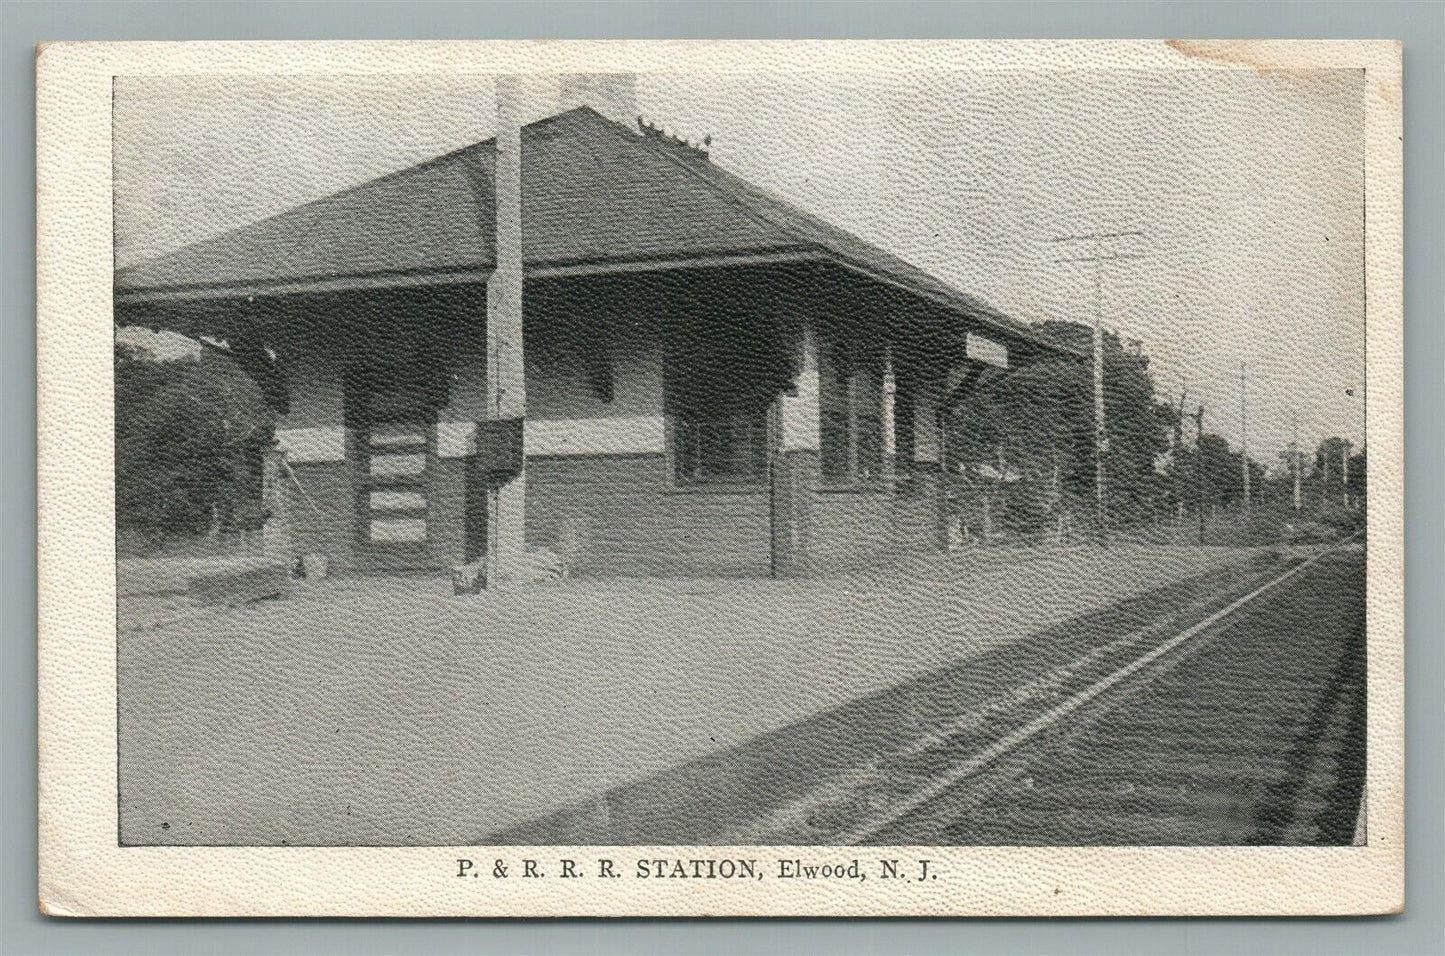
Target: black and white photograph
[[832, 459]]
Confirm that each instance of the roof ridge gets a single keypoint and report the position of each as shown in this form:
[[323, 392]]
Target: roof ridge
[[745, 208]]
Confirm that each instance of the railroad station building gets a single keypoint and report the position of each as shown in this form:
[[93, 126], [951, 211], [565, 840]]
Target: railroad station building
[[592, 340]]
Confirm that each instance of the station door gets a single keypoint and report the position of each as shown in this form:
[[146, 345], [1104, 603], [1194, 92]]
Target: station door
[[396, 457]]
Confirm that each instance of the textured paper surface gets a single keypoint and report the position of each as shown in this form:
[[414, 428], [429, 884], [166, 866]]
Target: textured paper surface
[[85, 871]]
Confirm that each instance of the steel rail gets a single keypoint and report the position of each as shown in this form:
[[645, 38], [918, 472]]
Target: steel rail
[[1015, 738]]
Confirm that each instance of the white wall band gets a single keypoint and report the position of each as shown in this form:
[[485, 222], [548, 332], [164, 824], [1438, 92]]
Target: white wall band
[[324, 443], [623, 435], [456, 439]]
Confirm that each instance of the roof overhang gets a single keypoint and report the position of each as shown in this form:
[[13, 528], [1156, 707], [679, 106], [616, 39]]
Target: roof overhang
[[300, 286], [437, 278], [981, 317], [357, 283]]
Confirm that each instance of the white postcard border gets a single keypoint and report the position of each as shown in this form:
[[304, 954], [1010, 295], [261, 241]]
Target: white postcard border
[[84, 871]]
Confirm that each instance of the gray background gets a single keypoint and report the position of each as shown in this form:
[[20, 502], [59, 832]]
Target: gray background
[[1420, 25]]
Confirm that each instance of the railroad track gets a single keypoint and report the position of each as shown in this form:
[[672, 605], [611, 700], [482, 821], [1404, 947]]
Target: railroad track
[[1246, 727]]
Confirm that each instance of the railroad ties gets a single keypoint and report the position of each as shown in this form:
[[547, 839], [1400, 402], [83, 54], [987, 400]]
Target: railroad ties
[[1246, 728]]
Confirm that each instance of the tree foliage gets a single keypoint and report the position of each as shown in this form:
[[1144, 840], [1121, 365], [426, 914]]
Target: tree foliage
[[1026, 420], [1224, 471], [189, 433]]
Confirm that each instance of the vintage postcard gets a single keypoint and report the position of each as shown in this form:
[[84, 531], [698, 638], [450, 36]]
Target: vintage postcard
[[720, 478]]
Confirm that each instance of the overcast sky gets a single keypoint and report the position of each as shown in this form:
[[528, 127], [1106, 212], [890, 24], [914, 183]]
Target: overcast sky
[[1248, 188]]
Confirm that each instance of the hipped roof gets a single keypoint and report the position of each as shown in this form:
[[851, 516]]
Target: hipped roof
[[595, 195]]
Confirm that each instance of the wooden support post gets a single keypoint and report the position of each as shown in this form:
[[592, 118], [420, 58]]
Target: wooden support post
[[276, 527], [927, 467], [801, 419], [853, 393], [506, 380], [795, 466], [890, 398]]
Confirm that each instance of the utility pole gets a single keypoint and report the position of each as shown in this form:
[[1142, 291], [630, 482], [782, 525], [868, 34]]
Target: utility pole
[[1294, 457], [1199, 467], [1101, 434], [1345, 470], [1244, 435], [1179, 453], [507, 383]]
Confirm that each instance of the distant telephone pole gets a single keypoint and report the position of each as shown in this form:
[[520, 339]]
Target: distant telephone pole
[[1345, 470], [1101, 434], [1244, 434], [1198, 417], [1294, 457], [1179, 492]]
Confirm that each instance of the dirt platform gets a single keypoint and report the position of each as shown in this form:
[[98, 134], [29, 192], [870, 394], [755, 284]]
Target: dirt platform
[[388, 711]]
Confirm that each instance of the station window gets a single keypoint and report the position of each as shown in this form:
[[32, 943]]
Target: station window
[[720, 380], [728, 447], [851, 400]]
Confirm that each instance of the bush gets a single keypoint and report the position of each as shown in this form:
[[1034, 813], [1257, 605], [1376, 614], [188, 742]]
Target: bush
[[189, 435], [1336, 515]]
